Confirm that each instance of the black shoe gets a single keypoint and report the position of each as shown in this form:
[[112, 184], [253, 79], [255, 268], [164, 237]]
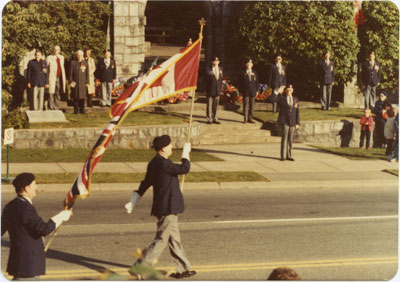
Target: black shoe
[[209, 122], [216, 122], [185, 274], [290, 159], [252, 121], [245, 122], [281, 160]]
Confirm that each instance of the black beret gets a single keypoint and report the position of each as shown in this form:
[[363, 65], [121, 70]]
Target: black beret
[[22, 180], [161, 141]]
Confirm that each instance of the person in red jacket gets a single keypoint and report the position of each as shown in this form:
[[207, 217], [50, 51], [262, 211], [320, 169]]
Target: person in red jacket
[[366, 122]]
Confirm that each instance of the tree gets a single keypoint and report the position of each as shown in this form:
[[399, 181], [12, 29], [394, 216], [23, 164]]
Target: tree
[[380, 33], [300, 31]]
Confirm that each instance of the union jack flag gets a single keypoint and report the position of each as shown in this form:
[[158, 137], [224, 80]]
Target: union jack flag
[[176, 75]]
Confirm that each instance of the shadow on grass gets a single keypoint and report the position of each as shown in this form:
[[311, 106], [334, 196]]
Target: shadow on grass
[[233, 153]]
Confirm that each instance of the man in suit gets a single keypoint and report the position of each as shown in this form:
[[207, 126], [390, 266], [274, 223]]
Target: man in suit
[[79, 81], [25, 228], [214, 90], [57, 76], [162, 174], [250, 91], [288, 119], [327, 80], [277, 78], [38, 80], [371, 74], [106, 72]]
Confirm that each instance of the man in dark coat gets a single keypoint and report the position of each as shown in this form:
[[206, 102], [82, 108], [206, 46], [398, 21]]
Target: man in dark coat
[[168, 202], [26, 228], [327, 80], [371, 75], [250, 91], [106, 72], [38, 80], [214, 90], [277, 78], [288, 119], [79, 81]]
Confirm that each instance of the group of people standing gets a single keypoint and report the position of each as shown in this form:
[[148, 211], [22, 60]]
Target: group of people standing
[[84, 76]]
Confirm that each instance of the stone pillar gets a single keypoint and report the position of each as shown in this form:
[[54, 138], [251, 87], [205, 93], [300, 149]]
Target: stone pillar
[[129, 42], [353, 97]]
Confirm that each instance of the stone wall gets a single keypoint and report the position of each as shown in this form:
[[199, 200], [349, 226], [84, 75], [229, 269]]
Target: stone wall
[[128, 36], [139, 137]]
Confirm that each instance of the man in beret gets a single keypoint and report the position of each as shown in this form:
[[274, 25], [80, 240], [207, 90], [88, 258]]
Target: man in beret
[[168, 202], [25, 228]]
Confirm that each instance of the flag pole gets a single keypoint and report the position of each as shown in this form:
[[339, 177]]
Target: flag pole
[[52, 238], [202, 23]]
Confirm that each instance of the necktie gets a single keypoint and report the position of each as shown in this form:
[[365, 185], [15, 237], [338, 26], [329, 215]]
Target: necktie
[[216, 73]]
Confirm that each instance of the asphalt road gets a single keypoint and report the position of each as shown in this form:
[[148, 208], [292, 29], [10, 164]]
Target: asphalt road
[[323, 234]]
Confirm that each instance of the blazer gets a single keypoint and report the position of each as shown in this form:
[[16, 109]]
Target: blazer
[[104, 73], [250, 84], [26, 228], [52, 64], [287, 115], [276, 79], [37, 73], [326, 72], [214, 85], [371, 75], [162, 174]]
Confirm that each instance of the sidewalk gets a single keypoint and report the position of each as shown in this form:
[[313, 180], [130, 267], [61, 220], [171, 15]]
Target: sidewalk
[[312, 168]]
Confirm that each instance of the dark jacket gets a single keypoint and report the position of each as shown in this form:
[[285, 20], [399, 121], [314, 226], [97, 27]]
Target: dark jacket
[[214, 86], [26, 228], [105, 74], [371, 75], [37, 73], [276, 79], [250, 84], [79, 73], [162, 174], [326, 72], [379, 107], [287, 115]]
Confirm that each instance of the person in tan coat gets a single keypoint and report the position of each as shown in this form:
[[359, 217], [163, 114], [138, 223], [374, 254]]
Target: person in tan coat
[[57, 80], [92, 68]]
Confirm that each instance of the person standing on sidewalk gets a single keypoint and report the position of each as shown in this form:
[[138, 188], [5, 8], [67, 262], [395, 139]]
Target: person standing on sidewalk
[[38, 80], [250, 91], [57, 76], [26, 229], [277, 79], [168, 202], [288, 119], [106, 72], [214, 90], [327, 80], [366, 122]]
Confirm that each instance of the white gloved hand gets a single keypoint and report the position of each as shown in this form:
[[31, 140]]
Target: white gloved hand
[[134, 199], [61, 217], [186, 149]]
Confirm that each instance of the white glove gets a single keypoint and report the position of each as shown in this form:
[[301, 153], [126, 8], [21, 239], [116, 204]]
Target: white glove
[[134, 199], [61, 217], [186, 149]]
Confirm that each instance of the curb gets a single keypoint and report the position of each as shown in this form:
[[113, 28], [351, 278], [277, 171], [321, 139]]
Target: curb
[[110, 187]]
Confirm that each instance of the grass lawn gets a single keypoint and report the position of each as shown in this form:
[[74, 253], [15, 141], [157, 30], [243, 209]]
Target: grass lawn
[[101, 119], [314, 114], [80, 155], [214, 176], [356, 153]]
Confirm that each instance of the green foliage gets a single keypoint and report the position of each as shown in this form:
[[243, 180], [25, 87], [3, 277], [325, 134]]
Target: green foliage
[[380, 33], [11, 117], [42, 25], [300, 32]]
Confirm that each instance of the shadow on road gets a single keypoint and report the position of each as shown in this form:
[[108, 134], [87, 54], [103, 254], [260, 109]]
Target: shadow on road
[[233, 153]]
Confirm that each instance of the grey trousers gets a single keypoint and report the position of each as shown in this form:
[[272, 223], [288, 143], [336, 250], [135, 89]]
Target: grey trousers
[[167, 234], [326, 94], [212, 106], [54, 98], [286, 141], [38, 98], [106, 89], [370, 96], [248, 106]]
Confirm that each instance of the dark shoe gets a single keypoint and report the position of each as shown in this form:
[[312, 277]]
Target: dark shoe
[[245, 122], [252, 121], [282, 160], [185, 274], [216, 122], [209, 122], [75, 113], [290, 159]]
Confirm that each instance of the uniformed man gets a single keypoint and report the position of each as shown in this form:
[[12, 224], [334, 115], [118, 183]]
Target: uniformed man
[[327, 80], [371, 78]]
